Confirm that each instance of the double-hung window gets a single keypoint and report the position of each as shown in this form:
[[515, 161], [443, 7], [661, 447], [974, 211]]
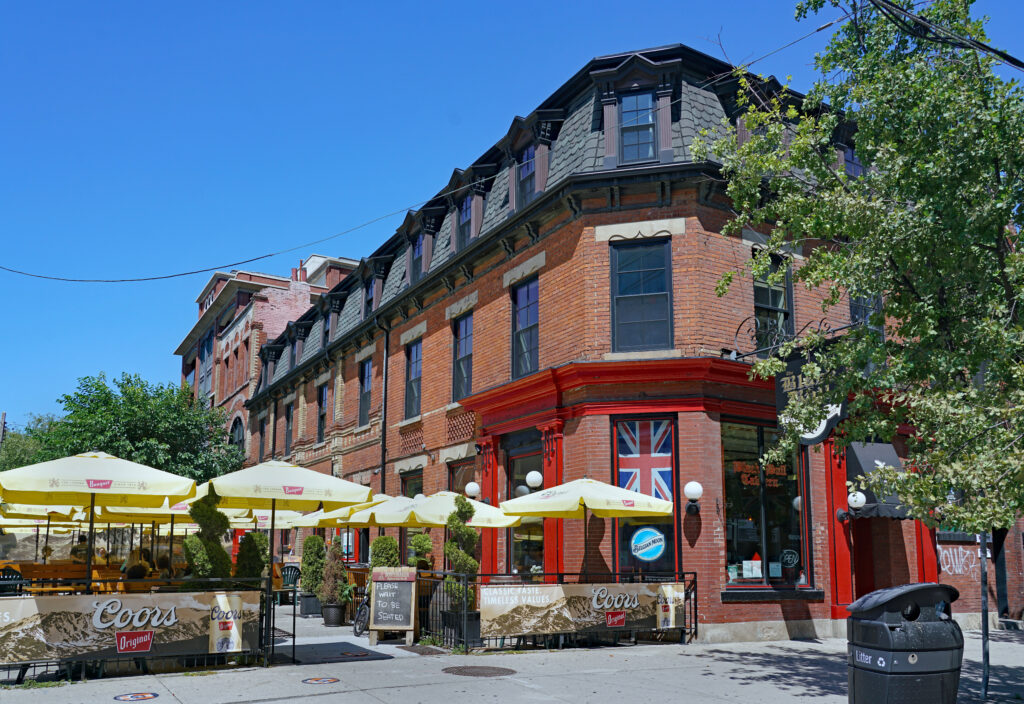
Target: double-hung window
[[462, 367], [413, 372], [527, 176], [263, 439], [416, 261], [321, 412], [867, 311], [327, 331], [289, 412], [368, 299], [365, 385], [773, 307], [641, 299], [525, 342], [638, 127], [465, 216], [766, 511]]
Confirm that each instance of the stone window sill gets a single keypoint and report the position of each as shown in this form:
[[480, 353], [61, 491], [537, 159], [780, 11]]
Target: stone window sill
[[415, 420], [454, 407]]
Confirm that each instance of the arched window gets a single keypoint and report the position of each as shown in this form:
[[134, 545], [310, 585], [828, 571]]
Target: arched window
[[238, 434]]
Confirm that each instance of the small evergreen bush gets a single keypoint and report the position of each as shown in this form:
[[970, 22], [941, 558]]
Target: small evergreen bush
[[459, 550], [421, 545], [204, 553], [384, 552], [253, 556], [334, 587], [313, 554]]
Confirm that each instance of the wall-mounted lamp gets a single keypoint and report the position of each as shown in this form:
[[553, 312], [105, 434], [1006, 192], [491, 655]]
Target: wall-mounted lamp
[[419, 497], [473, 490], [522, 490], [855, 501], [534, 479], [693, 491]]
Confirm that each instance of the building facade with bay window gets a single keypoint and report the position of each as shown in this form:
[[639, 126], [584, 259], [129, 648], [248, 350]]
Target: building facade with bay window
[[551, 313]]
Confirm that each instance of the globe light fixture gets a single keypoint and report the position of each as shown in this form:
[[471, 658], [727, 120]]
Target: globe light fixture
[[473, 490], [419, 497], [534, 479], [522, 490], [693, 491], [856, 500]]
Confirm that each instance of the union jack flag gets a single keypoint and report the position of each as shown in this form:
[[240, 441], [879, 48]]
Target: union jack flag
[[645, 457]]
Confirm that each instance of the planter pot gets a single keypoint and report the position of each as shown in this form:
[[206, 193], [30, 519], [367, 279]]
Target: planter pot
[[453, 624], [334, 614], [309, 605]]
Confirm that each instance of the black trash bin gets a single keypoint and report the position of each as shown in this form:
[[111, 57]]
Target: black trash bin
[[904, 647]]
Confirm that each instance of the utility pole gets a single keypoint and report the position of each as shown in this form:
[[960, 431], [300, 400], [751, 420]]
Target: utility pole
[[3, 427]]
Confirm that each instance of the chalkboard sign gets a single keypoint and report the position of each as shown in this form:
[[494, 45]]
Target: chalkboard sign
[[394, 593]]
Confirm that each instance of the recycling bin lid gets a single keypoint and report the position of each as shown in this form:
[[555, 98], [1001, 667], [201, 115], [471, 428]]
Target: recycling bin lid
[[922, 593]]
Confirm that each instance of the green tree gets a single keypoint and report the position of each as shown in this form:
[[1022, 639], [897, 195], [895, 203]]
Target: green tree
[[312, 568], [159, 425], [384, 552], [253, 555], [927, 231], [459, 549], [19, 448], [203, 550]]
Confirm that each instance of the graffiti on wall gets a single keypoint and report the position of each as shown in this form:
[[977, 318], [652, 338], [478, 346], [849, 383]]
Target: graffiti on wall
[[960, 560]]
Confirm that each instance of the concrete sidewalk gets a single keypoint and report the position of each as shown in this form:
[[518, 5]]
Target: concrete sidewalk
[[757, 673]]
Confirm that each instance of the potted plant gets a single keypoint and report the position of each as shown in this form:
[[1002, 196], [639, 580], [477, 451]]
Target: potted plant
[[203, 550], [422, 547], [461, 619], [312, 574], [335, 592]]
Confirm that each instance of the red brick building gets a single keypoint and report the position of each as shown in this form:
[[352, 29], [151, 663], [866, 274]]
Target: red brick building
[[238, 312], [553, 309]]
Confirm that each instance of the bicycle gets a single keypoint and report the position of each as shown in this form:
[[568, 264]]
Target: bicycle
[[361, 622]]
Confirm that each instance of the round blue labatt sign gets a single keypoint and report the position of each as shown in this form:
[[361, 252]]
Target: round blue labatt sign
[[647, 544]]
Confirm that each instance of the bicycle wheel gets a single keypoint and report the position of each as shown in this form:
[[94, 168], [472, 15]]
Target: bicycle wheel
[[362, 620]]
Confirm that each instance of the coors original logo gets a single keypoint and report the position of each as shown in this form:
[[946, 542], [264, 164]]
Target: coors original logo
[[134, 641], [113, 614], [602, 600]]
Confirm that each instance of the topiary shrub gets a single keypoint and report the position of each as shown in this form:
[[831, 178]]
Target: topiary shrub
[[335, 588], [384, 552], [204, 553], [253, 556], [459, 550], [421, 546], [313, 554]]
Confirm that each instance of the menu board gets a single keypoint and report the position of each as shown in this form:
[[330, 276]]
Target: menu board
[[394, 593]]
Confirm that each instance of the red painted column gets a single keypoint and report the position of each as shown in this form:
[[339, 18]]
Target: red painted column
[[840, 541], [551, 438], [488, 494], [927, 553]]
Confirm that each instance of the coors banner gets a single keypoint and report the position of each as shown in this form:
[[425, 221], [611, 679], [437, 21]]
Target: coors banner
[[577, 608], [108, 625]]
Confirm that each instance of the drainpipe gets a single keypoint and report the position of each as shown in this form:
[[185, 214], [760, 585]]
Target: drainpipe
[[386, 327]]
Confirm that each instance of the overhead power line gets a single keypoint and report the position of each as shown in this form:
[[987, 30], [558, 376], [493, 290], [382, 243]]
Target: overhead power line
[[139, 279]]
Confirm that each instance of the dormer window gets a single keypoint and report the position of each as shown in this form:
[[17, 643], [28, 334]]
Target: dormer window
[[293, 349], [527, 176], [368, 299], [465, 225], [416, 262], [638, 128], [327, 330]]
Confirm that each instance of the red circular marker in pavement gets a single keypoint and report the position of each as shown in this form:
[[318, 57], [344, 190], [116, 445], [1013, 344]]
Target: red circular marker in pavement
[[320, 680], [136, 697]]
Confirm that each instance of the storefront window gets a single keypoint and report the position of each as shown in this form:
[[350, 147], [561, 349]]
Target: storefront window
[[412, 484], [644, 452], [764, 512], [460, 474], [527, 539]]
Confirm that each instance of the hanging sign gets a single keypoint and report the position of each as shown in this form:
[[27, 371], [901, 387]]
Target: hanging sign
[[791, 384]]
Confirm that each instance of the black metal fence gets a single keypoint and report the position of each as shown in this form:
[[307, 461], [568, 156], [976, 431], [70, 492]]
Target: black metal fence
[[447, 613], [91, 664]]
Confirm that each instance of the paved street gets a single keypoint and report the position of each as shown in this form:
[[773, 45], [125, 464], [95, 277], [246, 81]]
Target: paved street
[[759, 673]]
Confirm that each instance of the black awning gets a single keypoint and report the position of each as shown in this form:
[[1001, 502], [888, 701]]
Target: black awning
[[864, 457]]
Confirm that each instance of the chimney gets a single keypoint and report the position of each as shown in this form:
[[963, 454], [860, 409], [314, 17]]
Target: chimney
[[295, 274]]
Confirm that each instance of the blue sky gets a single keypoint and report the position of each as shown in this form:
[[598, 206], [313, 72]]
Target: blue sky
[[140, 139]]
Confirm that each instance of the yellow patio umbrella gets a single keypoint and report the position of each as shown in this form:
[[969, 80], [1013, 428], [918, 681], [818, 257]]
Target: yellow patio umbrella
[[279, 485], [93, 478], [367, 515], [45, 514], [339, 516], [261, 519], [433, 511], [573, 499]]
